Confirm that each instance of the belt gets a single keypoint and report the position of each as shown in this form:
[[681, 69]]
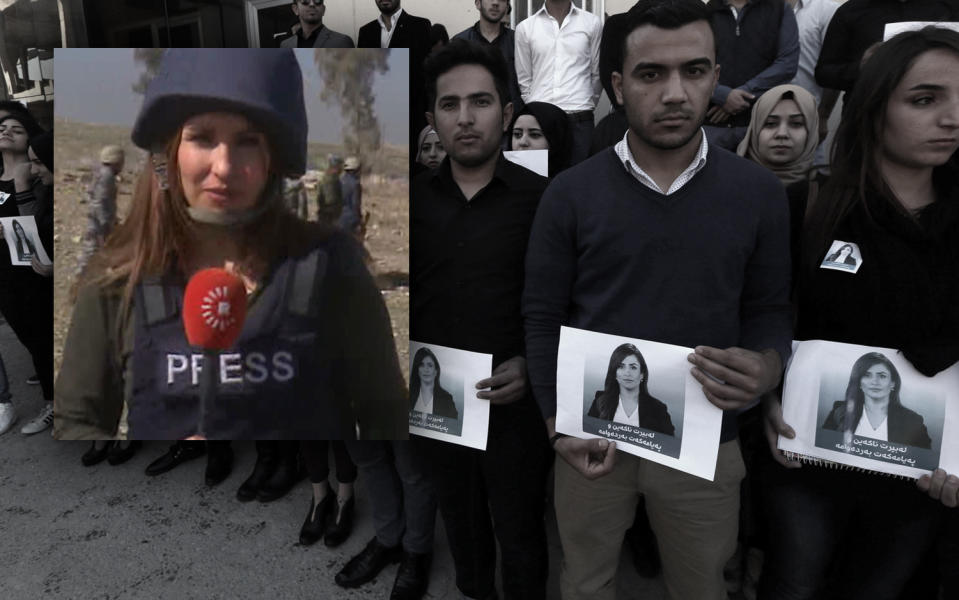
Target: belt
[[582, 115]]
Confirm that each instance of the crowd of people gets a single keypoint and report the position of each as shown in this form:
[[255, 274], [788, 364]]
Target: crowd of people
[[648, 225]]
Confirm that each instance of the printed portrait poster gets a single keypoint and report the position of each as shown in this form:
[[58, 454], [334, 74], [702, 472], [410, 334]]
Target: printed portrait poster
[[443, 402], [639, 394], [869, 408], [23, 241]]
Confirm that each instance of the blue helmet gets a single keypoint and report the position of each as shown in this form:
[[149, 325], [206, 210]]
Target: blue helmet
[[265, 85]]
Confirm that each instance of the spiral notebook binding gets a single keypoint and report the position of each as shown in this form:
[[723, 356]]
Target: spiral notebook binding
[[829, 464]]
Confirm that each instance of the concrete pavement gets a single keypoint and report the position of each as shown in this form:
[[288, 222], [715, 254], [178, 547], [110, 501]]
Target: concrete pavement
[[107, 532]]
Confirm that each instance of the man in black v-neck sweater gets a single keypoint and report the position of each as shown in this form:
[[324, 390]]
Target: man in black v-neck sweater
[[664, 238]]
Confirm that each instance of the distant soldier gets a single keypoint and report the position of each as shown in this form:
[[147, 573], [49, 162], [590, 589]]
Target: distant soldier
[[294, 196], [102, 200], [329, 199], [351, 219]]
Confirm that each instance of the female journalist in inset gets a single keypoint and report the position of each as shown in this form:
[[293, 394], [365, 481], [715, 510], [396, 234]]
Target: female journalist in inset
[[220, 142], [625, 398], [872, 408], [426, 394]]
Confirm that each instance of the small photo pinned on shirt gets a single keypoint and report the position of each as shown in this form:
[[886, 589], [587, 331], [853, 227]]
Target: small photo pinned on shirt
[[842, 256]]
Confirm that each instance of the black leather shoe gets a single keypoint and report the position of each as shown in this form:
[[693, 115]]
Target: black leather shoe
[[95, 455], [288, 473], [341, 524], [367, 564], [180, 452], [262, 471], [119, 454], [315, 523], [413, 576], [219, 465]]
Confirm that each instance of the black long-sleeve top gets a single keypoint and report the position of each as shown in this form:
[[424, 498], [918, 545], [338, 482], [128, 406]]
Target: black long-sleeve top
[[466, 259]]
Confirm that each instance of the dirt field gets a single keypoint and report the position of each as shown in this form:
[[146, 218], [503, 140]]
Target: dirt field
[[385, 196]]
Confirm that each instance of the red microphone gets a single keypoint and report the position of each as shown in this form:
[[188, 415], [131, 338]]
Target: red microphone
[[214, 307]]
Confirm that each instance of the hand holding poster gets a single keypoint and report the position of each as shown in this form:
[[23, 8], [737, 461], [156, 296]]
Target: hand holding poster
[[639, 394], [443, 402], [869, 408], [23, 241]]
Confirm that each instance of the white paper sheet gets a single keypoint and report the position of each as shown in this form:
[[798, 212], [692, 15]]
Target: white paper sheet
[[894, 29], [583, 363], [817, 382], [459, 372], [534, 160], [23, 240]]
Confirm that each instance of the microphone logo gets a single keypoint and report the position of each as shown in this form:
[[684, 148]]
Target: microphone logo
[[215, 308]]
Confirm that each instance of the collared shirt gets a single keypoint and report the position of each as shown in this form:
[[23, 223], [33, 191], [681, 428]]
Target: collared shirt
[[633, 168], [467, 259], [622, 417], [864, 429], [812, 17], [307, 42], [557, 63], [424, 405], [387, 34]]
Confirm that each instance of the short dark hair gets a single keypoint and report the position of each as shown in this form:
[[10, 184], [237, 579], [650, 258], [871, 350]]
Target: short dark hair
[[462, 52], [665, 14]]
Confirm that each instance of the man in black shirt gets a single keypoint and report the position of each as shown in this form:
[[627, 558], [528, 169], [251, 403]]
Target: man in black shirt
[[311, 32], [493, 28], [470, 220]]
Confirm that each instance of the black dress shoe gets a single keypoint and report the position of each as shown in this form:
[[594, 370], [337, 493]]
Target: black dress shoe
[[95, 455], [262, 471], [219, 465], [341, 524], [119, 455], [180, 452], [413, 576], [315, 523], [367, 564], [289, 472]]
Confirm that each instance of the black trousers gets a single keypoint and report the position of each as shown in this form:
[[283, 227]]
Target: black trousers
[[26, 301], [500, 492], [316, 455]]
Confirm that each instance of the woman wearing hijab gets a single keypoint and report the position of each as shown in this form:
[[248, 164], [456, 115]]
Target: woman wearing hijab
[[542, 126]]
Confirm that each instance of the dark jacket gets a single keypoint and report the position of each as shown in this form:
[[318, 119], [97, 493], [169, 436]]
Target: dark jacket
[[411, 32], [653, 414], [904, 426], [326, 38], [443, 405]]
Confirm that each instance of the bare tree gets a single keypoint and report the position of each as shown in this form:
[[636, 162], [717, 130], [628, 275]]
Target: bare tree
[[348, 81], [150, 59]]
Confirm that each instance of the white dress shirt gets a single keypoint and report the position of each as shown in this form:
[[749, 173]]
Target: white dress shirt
[[557, 63], [812, 17], [387, 34], [864, 429], [699, 161], [622, 417], [424, 405]]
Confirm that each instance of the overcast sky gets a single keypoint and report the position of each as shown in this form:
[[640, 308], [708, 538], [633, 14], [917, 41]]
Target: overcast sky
[[93, 86]]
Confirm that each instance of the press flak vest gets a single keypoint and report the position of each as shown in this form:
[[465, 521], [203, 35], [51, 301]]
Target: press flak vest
[[275, 383]]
